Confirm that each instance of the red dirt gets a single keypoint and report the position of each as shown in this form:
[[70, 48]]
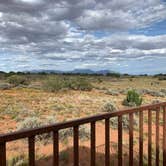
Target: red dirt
[[46, 150]]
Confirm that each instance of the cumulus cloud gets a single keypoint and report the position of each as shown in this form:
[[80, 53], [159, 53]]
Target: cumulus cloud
[[55, 32], [122, 15]]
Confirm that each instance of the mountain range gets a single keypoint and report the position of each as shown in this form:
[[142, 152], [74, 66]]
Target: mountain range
[[75, 71]]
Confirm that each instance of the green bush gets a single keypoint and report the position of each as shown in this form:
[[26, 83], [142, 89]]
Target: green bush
[[54, 84], [18, 80], [116, 75], [162, 78], [132, 99], [79, 84], [60, 83]]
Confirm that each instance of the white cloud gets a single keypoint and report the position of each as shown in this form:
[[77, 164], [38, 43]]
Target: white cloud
[[29, 1], [65, 31], [122, 15]]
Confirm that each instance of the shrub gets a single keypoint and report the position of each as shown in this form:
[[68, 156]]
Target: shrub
[[116, 75], [156, 101], [163, 91], [156, 93], [5, 86], [54, 84], [12, 110], [18, 80], [125, 122], [30, 122], [162, 78], [18, 161], [64, 156], [143, 91], [84, 133], [109, 107], [65, 134], [60, 83], [123, 91], [79, 84], [130, 79], [33, 122], [132, 99], [112, 92], [99, 80], [160, 93]]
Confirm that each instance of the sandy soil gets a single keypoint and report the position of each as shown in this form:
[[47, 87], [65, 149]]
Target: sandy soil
[[22, 103]]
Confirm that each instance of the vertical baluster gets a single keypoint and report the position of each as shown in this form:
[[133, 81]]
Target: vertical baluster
[[31, 144], [76, 146], [164, 136], [157, 136], [93, 144], [141, 138], [149, 138], [119, 140], [3, 154], [55, 148], [107, 142], [131, 139]]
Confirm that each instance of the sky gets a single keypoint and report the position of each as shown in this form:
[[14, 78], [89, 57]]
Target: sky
[[127, 36]]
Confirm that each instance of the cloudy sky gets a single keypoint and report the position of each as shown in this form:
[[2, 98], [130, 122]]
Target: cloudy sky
[[127, 36]]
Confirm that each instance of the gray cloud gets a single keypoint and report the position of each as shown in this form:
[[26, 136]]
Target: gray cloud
[[64, 31]]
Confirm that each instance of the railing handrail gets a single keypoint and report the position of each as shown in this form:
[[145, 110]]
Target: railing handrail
[[62, 125]]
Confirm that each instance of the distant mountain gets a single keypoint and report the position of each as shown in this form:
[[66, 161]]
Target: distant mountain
[[75, 71], [105, 72], [81, 71], [44, 71], [88, 71]]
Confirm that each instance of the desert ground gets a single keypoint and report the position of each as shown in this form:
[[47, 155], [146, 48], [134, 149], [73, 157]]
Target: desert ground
[[22, 102]]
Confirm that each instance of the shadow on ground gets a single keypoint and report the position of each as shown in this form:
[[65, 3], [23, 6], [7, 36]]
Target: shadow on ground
[[66, 158]]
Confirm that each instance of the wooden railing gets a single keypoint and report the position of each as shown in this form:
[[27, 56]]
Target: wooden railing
[[31, 133]]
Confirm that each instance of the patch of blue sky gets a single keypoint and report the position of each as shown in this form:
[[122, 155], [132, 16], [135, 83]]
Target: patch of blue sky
[[155, 29], [142, 66], [101, 33]]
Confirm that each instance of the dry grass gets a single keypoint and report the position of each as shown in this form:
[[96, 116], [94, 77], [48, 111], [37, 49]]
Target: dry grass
[[19, 103]]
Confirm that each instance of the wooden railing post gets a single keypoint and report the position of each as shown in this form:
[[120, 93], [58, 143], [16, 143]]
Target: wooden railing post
[[120, 141], [107, 142], [131, 139], [157, 136], [31, 144], [149, 138], [3, 154], [141, 138], [164, 136], [93, 144], [55, 148], [76, 146]]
